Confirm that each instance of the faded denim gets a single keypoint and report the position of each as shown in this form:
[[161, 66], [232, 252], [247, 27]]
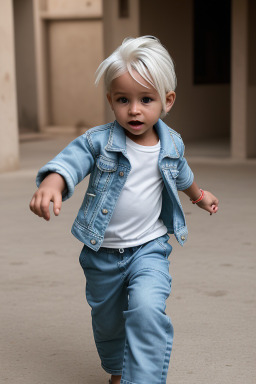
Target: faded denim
[[101, 152], [127, 293]]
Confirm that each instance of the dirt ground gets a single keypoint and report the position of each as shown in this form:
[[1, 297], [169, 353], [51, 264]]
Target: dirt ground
[[45, 333]]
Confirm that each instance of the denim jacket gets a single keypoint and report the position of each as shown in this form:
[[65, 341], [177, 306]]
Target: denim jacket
[[101, 152]]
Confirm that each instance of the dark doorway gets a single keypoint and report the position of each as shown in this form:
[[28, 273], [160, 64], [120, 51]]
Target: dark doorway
[[212, 41]]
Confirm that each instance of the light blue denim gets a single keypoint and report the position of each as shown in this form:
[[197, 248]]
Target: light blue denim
[[101, 152], [127, 293]]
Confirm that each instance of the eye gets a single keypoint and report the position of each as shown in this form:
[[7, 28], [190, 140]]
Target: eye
[[146, 100], [122, 100]]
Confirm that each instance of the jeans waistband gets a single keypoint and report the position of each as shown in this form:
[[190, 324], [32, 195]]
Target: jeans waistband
[[119, 250], [132, 249]]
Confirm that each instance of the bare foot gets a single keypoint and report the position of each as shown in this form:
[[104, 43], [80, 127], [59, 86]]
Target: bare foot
[[115, 379]]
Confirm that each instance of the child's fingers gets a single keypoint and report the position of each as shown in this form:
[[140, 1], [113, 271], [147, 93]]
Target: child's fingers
[[215, 202], [35, 204], [40, 203], [57, 201], [44, 206], [214, 209], [31, 204]]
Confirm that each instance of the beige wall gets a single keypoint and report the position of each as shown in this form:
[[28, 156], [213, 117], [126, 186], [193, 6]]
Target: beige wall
[[251, 137], [25, 64], [69, 45], [201, 111], [243, 79], [115, 30], [73, 58], [91, 7], [9, 152]]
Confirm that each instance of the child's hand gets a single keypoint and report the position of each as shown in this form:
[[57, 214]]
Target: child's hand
[[206, 199], [209, 202], [50, 189]]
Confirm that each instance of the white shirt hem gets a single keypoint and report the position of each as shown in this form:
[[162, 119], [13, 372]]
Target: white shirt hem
[[110, 243]]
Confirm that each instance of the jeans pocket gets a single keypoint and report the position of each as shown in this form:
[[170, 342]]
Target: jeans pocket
[[162, 242]]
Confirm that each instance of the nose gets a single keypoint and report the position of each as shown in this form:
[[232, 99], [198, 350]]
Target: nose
[[134, 109]]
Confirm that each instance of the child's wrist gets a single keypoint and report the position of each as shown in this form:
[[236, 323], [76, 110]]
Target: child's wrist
[[200, 198], [56, 181]]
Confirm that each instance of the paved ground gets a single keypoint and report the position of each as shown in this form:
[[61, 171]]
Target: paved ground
[[45, 332]]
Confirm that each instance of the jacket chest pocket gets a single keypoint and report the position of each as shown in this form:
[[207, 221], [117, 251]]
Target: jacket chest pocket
[[170, 170], [103, 173]]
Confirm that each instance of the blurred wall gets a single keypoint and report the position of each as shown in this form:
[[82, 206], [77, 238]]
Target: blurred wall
[[9, 144], [73, 59], [25, 64], [69, 46], [243, 91], [116, 28], [251, 136], [200, 111]]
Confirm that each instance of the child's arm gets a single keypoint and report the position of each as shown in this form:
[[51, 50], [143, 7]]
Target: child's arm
[[209, 202], [49, 190], [58, 178], [74, 163]]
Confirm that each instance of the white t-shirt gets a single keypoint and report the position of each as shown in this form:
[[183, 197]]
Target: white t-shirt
[[136, 220]]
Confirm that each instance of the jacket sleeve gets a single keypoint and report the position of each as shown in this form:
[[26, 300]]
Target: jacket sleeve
[[74, 163], [185, 177]]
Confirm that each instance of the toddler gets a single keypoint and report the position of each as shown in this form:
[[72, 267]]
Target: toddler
[[136, 166]]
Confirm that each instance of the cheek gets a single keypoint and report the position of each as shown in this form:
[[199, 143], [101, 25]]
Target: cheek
[[119, 111], [154, 114]]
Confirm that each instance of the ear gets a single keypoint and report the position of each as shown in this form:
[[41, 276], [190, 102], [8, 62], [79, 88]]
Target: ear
[[170, 98], [110, 100]]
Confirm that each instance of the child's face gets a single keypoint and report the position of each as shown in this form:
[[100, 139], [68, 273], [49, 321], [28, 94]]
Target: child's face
[[136, 107]]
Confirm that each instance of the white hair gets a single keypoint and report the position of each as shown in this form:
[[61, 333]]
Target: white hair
[[148, 57]]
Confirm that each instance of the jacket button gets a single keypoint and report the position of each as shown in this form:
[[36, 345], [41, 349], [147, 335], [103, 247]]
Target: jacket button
[[121, 174], [183, 238], [93, 242], [104, 211]]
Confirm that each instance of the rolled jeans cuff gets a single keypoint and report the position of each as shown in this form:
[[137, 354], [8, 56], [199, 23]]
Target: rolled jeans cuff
[[112, 371]]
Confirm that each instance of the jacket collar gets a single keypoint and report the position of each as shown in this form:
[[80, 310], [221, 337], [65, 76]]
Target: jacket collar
[[117, 140], [168, 146]]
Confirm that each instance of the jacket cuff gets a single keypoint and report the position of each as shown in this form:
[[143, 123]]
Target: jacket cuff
[[55, 168]]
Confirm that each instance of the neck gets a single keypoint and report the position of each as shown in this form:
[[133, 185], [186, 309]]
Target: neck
[[145, 140]]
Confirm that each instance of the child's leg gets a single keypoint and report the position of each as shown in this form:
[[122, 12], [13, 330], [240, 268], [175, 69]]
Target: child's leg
[[107, 296], [149, 332]]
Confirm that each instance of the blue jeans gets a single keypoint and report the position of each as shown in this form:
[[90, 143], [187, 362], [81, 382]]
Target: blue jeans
[[127, 290]]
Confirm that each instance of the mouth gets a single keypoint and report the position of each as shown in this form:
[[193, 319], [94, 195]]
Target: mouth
[[135, 124]]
